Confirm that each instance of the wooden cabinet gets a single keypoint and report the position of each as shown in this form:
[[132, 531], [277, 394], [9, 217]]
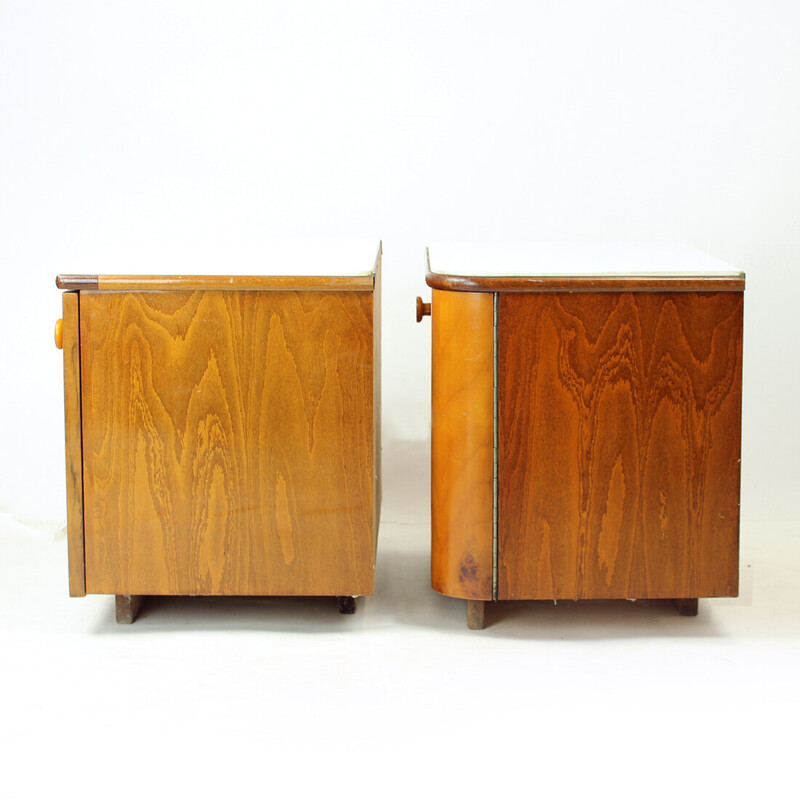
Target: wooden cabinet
[[223, 434], [586, 416]]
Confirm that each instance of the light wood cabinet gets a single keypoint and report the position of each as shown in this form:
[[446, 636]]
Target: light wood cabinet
[[586, 424], [223, 434]]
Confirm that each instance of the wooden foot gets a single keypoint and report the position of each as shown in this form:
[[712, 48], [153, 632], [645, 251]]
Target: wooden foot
[[475, 618], [347, 604], [128, 606], [687, 606]]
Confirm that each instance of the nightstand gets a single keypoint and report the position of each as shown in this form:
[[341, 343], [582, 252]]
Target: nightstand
[[223, 431], [586, 423]]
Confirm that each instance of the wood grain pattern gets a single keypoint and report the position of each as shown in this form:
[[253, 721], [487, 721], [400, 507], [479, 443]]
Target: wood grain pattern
[[619, 443], [462, 444], [70, 330], [376, 405], [188, 283], [587, 283], [228, 442]]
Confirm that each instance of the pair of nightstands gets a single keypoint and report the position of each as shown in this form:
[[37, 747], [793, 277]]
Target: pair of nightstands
[[223, 433]]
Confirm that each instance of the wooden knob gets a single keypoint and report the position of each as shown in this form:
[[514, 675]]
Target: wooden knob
[[59, 334], [423, 309]]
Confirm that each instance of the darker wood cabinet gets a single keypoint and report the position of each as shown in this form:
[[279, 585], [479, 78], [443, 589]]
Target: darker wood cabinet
[[586, 437]]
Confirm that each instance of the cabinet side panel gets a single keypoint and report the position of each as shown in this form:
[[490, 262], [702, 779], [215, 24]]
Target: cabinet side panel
[[72, 435], [619, 430], [462, 447], [376, 401], [718, 568], [228, 442]]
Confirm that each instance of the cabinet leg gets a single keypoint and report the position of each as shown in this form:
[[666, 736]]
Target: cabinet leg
[[347, 604], [475, 617], [687, 606], [128, 606]]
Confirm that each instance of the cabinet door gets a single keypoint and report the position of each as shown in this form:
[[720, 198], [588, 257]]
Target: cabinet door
[[619, 426], [228, 442]]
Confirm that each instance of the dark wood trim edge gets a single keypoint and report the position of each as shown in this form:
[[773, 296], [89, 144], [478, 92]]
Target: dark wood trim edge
[[587, 283], [76, 282]]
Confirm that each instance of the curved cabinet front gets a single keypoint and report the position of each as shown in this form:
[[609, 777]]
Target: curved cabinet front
[[462, 446], [585, 442]]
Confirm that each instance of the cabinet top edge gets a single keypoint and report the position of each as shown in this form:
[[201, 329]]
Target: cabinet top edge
[[577, 266], [654, 282], [277, 283], [300, 266]]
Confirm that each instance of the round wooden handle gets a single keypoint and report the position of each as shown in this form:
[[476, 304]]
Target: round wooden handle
[[423, 309], [59, 334]]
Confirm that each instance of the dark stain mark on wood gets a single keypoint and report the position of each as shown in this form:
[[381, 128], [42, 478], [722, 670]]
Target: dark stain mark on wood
[[468, 572]]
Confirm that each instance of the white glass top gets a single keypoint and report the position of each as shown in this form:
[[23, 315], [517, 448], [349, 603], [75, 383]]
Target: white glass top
[[613, 259], [323, 258]]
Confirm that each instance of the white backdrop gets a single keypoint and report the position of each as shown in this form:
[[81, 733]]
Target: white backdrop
[[167, 128]]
